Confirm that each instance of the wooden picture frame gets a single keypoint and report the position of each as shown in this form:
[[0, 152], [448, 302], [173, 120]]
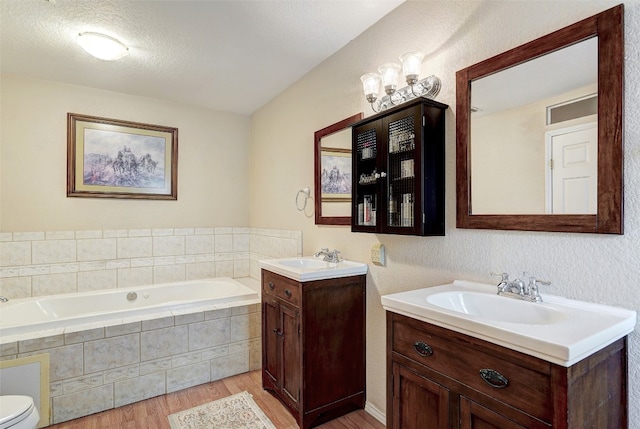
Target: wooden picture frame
[[326, 154], [110, 158]]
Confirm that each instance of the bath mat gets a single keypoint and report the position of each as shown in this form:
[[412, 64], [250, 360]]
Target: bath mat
[[238, 411]]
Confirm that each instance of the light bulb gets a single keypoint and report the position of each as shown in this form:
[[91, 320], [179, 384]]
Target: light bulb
[[389, 72], [411, 65], [371, 86]]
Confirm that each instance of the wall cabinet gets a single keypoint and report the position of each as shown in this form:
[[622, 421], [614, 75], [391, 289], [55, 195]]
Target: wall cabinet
[[441, 379], [313, 345], [398, 170]]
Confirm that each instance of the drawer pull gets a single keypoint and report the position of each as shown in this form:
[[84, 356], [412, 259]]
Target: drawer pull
[[493, 378], [271, 286], [422, 349], [288, 293]]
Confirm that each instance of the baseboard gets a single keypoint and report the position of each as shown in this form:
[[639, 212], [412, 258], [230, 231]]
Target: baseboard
[[375, 412]]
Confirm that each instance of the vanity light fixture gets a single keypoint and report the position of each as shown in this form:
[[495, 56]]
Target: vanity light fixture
[[102, 46], [388, 75]]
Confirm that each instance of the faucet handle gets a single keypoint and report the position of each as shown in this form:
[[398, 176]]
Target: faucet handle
[[335, 255], [535, 282], [505, 276], [533, 290]]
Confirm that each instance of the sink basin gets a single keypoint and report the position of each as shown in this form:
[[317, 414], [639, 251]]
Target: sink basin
[[306, 263], [494, 307], [309, 268], [558, 330]]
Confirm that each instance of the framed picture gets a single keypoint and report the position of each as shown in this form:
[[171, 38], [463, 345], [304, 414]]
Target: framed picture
[[332, 187], [110, 158], [335, 174]]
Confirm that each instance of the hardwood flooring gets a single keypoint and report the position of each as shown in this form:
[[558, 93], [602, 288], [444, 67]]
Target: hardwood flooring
[[152, 413]]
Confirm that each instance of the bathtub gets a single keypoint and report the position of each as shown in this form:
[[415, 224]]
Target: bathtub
[[104, 350], [70, 312]]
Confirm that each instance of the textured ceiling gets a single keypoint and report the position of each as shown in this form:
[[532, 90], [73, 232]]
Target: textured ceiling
[[224, 55]]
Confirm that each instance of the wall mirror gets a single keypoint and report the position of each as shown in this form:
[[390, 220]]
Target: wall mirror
[[332, 184], [539, 133]]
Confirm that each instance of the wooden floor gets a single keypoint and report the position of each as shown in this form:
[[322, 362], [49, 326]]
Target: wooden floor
[[152, 413]]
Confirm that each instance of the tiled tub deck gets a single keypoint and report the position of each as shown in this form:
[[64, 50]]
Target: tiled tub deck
[[99, 368]]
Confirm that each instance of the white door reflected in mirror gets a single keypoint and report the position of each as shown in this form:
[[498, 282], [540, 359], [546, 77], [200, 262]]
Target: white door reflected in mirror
[[573, 170]]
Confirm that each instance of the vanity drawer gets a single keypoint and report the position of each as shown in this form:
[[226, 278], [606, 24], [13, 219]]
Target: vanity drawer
[[522, 387], [281, 287]]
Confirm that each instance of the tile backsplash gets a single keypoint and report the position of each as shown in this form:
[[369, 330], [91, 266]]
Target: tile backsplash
[[47, 263]]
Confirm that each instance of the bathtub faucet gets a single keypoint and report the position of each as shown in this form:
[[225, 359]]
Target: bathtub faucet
[[333, 256], [4, 299]]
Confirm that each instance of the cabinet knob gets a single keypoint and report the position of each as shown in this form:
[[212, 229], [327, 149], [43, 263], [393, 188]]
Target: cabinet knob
[[288, 293], [493, 378], [423, 349], [271, 285]]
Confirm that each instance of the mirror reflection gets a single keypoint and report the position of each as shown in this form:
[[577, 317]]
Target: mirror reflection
[[533, 135], [332, 182]]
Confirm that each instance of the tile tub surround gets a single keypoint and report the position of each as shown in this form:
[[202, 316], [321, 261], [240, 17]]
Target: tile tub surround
[[97, 369], [54, 262], [100, 367]]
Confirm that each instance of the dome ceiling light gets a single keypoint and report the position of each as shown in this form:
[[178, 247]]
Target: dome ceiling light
[[102, 46]]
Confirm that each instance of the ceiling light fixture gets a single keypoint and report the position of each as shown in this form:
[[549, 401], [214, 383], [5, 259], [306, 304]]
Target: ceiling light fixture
[[102, 46], [388, 75]]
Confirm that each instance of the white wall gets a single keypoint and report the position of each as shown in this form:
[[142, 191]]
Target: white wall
[[455, 35], [213, 153]]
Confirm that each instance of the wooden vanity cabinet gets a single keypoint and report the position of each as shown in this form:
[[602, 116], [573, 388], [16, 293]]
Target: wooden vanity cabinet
[[434, 381], [313, 345]]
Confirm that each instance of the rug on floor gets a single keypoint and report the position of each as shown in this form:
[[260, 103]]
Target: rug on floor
[[238, 411]]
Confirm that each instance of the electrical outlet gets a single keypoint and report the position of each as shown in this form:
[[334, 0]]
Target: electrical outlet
[[377, 254]]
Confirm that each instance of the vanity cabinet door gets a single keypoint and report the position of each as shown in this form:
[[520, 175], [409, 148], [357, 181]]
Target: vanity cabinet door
[[281, 360], [270, 329], [418, 403], [475, 416], [290, 352]]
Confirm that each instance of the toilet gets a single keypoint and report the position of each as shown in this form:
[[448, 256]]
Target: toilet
[[18, 412]]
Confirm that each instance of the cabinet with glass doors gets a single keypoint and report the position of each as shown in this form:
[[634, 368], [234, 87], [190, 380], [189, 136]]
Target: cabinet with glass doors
[[398, 170]]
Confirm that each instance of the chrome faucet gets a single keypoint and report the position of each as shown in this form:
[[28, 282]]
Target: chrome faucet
[[333, 256], [4, 299], [519, 289]]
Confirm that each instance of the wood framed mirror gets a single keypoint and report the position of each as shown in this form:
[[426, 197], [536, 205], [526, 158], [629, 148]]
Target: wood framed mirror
[[332, 172], [606, 215]]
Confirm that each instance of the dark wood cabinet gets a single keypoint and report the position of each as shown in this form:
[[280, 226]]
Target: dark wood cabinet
[[419, 402], [398, 170], [313, 345], [282, 349], [438, 378], [474, 416]]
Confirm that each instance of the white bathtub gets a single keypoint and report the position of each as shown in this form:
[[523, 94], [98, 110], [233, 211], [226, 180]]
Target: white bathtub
[[68, 312]]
